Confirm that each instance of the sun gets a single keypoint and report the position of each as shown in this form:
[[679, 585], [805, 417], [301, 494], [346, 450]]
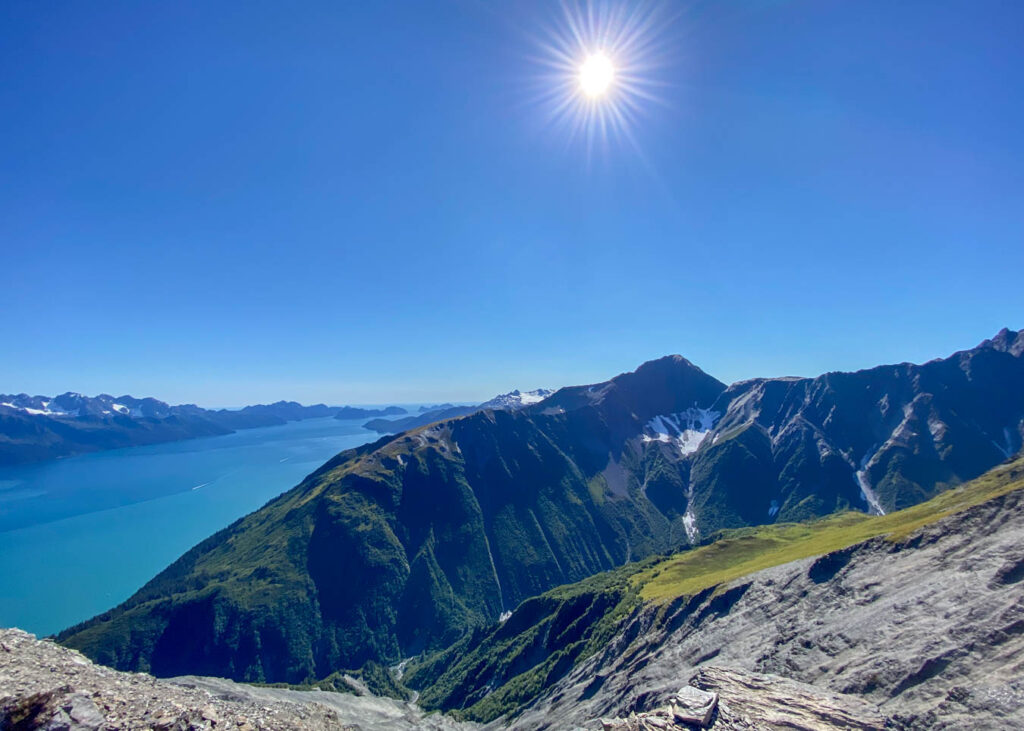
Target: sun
[[601, 66], [596, 75]]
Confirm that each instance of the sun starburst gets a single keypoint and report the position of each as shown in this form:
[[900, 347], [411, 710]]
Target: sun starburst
[[600, 64]]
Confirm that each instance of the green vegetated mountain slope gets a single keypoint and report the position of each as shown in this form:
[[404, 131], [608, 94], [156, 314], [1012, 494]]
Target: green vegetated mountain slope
[[497, 670], [401, 546]]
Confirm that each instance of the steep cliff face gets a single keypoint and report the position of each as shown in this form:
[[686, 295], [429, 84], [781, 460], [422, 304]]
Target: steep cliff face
[[403, 545]]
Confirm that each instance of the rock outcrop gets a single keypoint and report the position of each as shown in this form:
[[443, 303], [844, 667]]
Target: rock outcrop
[[727, 698], [46, 686]]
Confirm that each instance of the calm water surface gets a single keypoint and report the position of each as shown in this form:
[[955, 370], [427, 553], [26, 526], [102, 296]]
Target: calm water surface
[[79, 535]]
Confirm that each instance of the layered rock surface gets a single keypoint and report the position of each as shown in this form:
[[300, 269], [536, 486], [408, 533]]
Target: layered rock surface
[[929, 629], [727, 699]]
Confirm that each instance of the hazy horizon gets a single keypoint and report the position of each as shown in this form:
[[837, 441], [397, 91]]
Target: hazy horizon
[[461, 399]]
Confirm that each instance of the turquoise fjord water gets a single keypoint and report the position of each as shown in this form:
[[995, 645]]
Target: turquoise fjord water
[[80, 535]]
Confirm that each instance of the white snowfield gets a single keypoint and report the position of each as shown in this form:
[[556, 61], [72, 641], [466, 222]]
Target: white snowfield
[[534, 397], [686, 430], [517, 399]]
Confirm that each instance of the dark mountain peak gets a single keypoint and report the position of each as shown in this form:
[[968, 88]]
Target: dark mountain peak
[[660, 387], [659, 367], [667, 385], [671, 359], [1006, 341]]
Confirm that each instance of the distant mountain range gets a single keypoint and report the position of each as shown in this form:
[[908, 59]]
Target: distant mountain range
[[408, 544], [34, 428], [511, 401]]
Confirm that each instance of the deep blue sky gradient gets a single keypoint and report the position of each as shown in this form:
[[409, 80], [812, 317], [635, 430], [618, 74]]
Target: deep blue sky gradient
[[226, 203]]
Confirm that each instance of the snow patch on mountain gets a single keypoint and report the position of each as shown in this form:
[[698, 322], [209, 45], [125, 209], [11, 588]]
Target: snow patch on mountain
[[35, 406], [686, 429], [514, 400], [864, 482], [690, 524], [1006, 449]]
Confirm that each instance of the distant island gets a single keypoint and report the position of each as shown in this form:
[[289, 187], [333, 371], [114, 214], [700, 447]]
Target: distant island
[[436, 407], [393, 426], [38, 428], [353, 412]]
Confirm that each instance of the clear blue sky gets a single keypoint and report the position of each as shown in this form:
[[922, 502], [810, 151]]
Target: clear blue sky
[[360, 202]]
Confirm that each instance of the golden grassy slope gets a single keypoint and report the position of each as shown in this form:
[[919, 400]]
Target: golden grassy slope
[[741, 552]]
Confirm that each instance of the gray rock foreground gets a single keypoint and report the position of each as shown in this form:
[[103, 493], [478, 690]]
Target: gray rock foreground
[[46, 686]]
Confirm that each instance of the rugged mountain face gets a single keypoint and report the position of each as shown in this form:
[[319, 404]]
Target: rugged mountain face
[[401, 546], [34, 428], [882, 439]]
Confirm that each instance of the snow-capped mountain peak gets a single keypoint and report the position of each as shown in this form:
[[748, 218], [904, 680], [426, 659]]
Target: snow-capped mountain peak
[[34, 405], [514, 400]]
